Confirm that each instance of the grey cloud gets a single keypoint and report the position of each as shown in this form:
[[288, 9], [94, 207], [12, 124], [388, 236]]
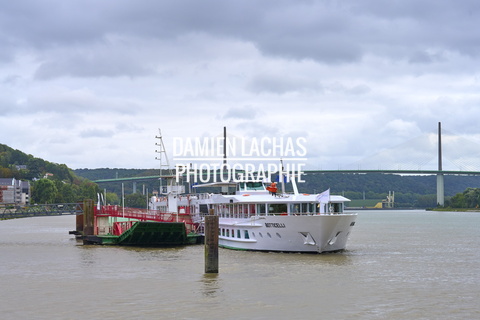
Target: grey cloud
[[358, 89], [259, 129], [72, 103], [240, 113], [281, 83], [96, 133], [423, 57], [128, 127], [39, 24], [106, 61], [414, 25], [322, 48], [324, 31], [11, 80]]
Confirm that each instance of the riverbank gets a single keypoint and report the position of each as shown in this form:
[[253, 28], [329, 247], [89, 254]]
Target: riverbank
[[453, 209]]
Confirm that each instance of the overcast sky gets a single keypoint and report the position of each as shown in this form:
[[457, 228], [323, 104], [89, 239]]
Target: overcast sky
[[88, 83]]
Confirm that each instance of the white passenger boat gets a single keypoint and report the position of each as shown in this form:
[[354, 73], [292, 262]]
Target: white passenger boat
[[253, 218]]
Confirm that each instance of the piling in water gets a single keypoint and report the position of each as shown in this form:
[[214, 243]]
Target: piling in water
[[79, 224], [87, 219], [211, 244]]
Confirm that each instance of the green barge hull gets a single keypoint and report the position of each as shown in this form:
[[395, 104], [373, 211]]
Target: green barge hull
[[149, 234]]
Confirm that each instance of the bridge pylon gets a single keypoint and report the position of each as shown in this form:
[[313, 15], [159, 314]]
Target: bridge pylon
[[440, 182]]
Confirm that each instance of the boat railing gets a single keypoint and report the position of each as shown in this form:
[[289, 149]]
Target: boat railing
[[249, 215], [145, 215]]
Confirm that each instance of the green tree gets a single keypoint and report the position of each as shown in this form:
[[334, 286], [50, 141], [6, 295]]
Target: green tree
[[87, 190], [36, 167], [66, 192], [112, 198], [472, 197], [44, 191], [427, 201], [136, 200], [458, 201], [6, 173]]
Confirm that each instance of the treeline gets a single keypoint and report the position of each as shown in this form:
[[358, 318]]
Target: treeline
[[113, 173], [52, 190], [410, 191], [50, 182], [470, 198], [372, 184], [382, 183]]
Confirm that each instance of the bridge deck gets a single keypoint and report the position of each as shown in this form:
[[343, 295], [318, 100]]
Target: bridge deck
[[10, 211]]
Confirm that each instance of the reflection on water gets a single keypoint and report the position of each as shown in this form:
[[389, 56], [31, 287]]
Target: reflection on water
[[87, 256], [398, 265], [211, 285]]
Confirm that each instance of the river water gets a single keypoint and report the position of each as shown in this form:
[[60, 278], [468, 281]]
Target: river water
[[398, 265]]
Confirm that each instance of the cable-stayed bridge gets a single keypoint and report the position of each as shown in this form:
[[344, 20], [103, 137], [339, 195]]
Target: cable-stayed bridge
[[439, 153], [424, 155]]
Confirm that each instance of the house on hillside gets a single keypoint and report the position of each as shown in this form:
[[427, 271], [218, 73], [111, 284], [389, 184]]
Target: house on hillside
[[13, 191]]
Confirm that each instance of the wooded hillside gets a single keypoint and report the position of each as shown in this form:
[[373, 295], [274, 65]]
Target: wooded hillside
[[50, 182]]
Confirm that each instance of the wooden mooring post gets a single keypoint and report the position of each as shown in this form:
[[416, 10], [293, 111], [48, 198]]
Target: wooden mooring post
[[87, 220], [211, 243]]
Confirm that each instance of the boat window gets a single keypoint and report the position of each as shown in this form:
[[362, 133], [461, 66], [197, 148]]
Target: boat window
[[162, 208], [304, 207], [239, 235], [269, 235], [241, 186], [336, 207], [278, 235], [228, 233], [254, 186], [233, 234], [223, 232], [261, 208], [204, 208], [278, 208], [246, 234], [295, 208]]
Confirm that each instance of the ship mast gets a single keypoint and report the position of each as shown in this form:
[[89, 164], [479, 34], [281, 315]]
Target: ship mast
[[163, 159]]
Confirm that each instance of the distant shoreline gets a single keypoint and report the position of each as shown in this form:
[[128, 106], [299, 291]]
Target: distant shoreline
[[381, 209], [454, 209]]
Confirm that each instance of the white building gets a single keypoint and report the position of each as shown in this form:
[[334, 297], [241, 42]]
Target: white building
[[14, 191]]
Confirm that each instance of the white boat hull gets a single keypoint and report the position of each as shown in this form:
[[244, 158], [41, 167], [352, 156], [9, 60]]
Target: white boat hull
[[301, 233]]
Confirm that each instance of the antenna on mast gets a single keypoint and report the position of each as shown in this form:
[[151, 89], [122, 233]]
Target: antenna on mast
[[224, 148], [282, 177]]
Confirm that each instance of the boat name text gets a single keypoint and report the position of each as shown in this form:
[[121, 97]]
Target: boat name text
[[274, 225]]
